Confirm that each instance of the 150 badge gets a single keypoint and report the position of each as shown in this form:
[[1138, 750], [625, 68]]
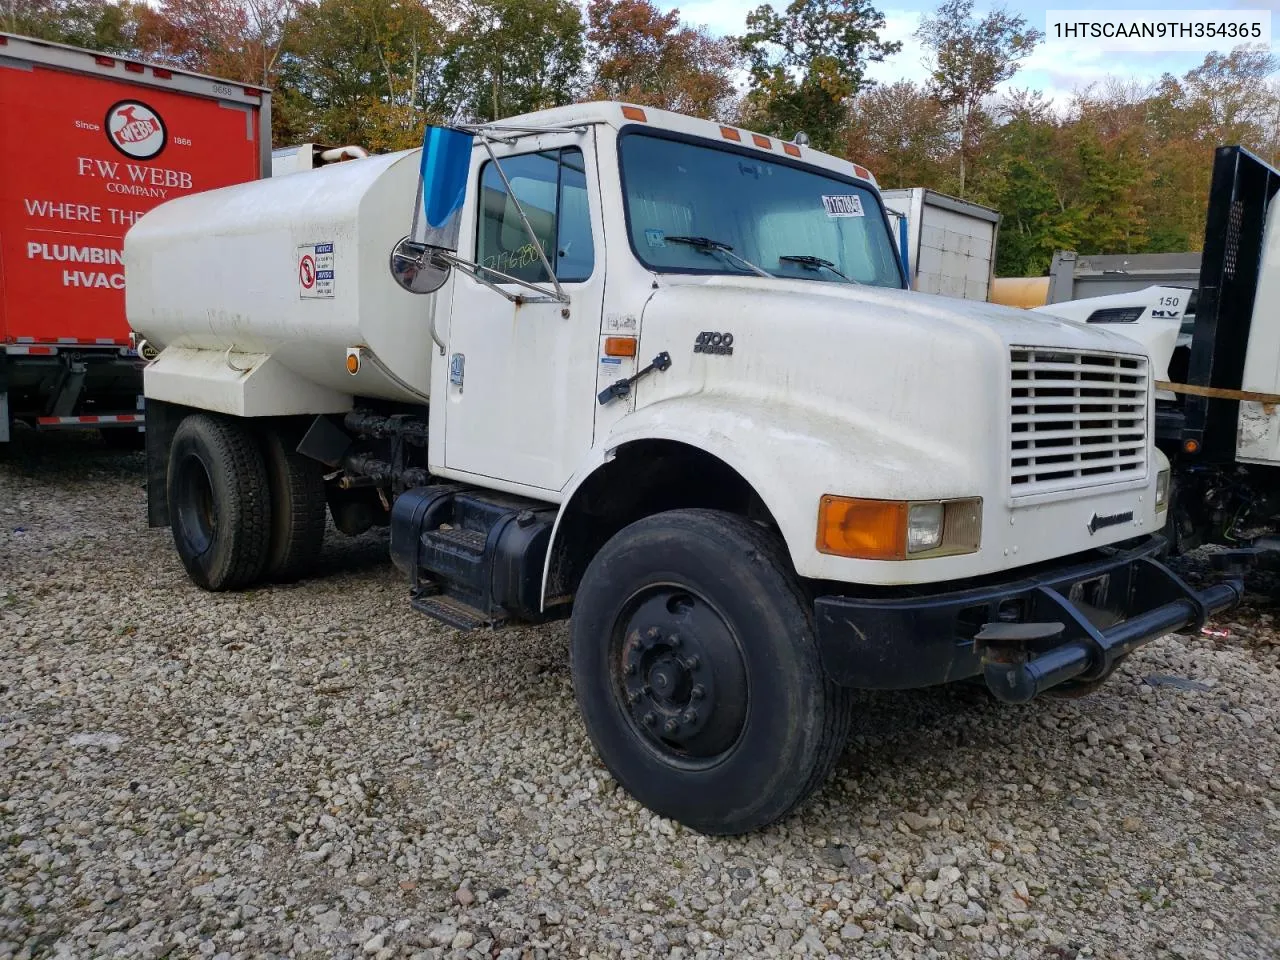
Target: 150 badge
[[710, 342]]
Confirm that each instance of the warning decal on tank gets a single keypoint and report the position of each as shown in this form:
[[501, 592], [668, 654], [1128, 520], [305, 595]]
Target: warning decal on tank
[[315, 271]]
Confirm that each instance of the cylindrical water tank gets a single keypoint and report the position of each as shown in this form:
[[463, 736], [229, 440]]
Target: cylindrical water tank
[[295, 267]]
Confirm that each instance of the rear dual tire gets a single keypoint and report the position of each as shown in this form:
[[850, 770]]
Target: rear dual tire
[[696, 669], [219, 503], [243, 507]]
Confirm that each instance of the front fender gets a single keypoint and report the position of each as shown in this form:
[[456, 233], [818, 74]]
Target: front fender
[[791, 456]]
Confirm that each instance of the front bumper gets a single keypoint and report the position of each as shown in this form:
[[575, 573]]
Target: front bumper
[[1071, 622]]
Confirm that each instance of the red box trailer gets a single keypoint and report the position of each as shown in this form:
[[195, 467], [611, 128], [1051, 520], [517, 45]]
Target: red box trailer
[[89, 143]]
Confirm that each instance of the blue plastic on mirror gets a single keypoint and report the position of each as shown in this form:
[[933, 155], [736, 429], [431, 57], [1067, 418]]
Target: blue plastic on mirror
[[446, 159]]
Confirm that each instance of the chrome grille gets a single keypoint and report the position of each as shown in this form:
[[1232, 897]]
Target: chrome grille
[[1077, 420]]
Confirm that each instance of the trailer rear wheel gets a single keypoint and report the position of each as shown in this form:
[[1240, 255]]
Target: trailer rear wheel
[[298, 510], [218, 502], [697, 672]]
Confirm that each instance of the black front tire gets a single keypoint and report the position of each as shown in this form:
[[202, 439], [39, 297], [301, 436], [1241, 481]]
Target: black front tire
[[298, 510], [219, 507], [696, 669]]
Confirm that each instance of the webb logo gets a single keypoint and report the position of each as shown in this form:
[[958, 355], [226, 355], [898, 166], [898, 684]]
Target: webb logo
[[135, 130]]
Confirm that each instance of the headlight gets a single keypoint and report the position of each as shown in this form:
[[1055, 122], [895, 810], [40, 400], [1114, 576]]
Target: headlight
[[1162, 489], [898, 529], [924, 527]]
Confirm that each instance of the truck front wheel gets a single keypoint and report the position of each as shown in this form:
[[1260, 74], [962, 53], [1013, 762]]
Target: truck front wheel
[[218, 502], [697, 672]]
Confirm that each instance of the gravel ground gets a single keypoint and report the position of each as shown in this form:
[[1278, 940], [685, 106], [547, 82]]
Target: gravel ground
[[315, 770]]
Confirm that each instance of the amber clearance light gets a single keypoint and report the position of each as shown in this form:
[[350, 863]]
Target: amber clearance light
[[898, 529]]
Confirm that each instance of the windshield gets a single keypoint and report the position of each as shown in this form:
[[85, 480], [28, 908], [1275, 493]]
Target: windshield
[[789, 221]]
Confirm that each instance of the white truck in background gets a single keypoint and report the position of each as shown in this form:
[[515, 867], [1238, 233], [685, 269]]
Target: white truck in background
[[664, 375], [1214, 342], [948, 244]]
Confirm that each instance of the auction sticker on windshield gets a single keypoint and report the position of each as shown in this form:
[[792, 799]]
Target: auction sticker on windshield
[[847, 206]]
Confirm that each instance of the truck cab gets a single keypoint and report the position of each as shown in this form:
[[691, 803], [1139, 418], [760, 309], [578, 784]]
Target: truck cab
[[665, 377]]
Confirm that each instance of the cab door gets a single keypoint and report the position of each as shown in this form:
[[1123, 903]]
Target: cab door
[[520, 401]]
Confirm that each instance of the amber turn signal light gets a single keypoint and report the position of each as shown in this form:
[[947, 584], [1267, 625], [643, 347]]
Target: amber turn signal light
[[898, 529], [867, 529]]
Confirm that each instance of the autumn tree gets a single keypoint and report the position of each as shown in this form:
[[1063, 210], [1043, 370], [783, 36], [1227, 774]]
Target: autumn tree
[[808, 62], [95, 24], [968, 58], [900, 131], [507, 57], [642, 55], [361, 71]]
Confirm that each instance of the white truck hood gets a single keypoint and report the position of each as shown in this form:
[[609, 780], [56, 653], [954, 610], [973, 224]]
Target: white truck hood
[[823, 388], [896, 369], [924, 311]]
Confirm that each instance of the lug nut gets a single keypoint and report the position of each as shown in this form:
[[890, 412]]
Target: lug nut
[[691, 716], [675, 641], [692, 663], [653, 632], [698, 692], [631, 669], [671, 726], [632, 697]]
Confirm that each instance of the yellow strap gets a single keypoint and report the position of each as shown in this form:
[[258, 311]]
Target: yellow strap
[[1219, 393]]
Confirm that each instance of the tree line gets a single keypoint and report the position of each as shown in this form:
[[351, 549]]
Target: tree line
[[1122, 168]]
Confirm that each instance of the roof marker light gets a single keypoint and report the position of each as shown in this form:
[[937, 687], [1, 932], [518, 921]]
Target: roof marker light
[[104, 61], [160, 73], [635, 113], [791, 149], [133, 67], [730, 134], [760, 141], [861, 172]]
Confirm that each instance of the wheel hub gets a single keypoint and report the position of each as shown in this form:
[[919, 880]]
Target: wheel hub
[[683, 679]]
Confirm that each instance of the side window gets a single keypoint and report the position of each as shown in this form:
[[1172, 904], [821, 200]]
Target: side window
[[552, 190]]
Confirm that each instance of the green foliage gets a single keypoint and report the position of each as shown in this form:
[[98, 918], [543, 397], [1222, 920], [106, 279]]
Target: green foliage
[[96, 24], [808, 62], [512, 56], [359, 71], [968, 59]]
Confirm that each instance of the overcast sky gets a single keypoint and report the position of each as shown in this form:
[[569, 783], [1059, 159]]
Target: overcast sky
[[1056, 70]]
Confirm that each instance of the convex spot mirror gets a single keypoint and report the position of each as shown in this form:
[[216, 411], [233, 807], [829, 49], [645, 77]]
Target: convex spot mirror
[[416, 268], [437, 216]]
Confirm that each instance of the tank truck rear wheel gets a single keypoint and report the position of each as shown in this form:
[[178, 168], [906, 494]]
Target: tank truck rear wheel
[[219, 504], [697, 672], [298, 509]]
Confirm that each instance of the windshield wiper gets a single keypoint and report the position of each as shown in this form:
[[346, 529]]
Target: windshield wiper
[[808, 260], [707, 245]]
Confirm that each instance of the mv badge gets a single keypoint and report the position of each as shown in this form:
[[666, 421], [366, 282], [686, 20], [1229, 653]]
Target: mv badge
[[709, 342]]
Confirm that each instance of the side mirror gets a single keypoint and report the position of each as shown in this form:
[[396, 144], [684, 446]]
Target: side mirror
[[437, 214], [415, 267]]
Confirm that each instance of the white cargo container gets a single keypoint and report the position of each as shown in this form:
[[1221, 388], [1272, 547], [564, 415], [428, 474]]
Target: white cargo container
[[948, 244]]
